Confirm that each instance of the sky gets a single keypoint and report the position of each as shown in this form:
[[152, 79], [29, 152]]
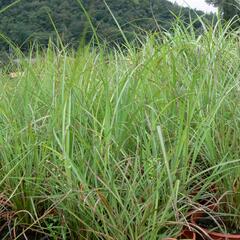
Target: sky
[[198, 4]]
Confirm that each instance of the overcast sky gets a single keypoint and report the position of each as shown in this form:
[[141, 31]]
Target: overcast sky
[[198, 4]]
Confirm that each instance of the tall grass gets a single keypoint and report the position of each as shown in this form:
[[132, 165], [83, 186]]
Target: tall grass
[[97, 145]]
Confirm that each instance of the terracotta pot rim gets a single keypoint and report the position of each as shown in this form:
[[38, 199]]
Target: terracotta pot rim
[[184, 233], [169, 239], [196, 215]]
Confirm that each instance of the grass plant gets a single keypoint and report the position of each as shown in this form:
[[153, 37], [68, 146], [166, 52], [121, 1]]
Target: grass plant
[[99, 144]]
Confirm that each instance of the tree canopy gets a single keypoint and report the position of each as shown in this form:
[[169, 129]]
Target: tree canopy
[[229, 8], [37, 20]]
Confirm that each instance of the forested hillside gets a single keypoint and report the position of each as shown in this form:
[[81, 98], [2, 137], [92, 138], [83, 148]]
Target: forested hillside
[[27, 21], [229, 8]]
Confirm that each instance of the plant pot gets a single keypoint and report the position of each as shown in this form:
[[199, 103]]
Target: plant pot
[[169, 239], [185, 234], [208, 234]]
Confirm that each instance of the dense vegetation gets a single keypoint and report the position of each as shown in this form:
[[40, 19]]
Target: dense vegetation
[[97, 145], [120, 143], [27, 21], [229, 8]]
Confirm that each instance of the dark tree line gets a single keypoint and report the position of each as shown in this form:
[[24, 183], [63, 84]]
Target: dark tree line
[[29, 21], [229, 8]]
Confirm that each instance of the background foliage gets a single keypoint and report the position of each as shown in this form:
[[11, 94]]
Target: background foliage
[[229, 8], [28, 21]]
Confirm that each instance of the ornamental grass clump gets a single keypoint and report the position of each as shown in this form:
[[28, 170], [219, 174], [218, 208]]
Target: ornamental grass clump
[[101, 144], [221, 133]]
